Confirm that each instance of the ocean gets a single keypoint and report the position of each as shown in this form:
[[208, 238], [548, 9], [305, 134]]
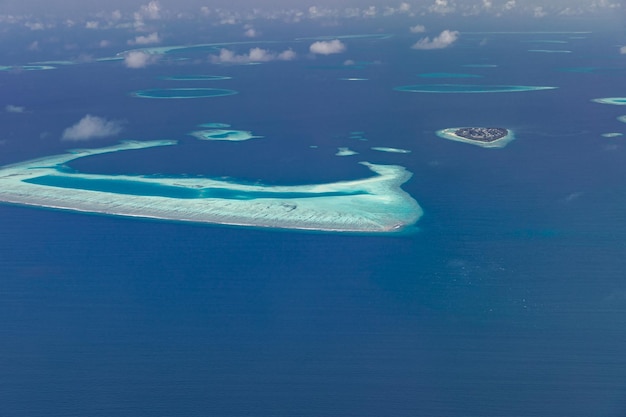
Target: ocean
[[508, 300]]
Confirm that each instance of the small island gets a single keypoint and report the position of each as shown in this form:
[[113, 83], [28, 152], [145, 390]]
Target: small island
[[486, 137]]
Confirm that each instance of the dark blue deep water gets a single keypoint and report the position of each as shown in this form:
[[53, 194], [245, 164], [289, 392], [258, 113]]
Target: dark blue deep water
[[510, 300]]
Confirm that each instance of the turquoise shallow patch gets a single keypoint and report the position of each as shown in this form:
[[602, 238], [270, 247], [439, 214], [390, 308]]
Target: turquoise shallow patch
[[196, 77], [468, 88], [215, 125], [448, 75], [177, 93], [551, 51], [480, 66], [223, 134], [27, 68], [130, 187], [618, 101]]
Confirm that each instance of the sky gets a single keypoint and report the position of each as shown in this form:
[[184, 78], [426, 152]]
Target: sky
[[74, 7]]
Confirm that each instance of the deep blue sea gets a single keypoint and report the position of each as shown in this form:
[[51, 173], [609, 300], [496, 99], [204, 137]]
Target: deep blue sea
[[510, 300]]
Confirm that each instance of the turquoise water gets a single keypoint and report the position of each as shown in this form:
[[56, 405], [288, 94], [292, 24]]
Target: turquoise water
[[448, 75], [175, 93], [140, 188], [465, 88], [510, 301], [196, 78], [619, 101]]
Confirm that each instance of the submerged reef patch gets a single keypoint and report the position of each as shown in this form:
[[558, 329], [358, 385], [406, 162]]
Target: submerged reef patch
[[196, 77], [182, 93], [223, 134], [345, 152], [448, 75], [618, 101], [389, 150], [468, 88], [19, 68]]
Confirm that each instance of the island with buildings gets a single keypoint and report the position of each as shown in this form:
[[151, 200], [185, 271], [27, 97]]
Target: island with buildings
[[486, 137]]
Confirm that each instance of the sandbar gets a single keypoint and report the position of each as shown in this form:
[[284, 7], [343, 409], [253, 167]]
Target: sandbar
[[451, 134], [345, 152], [375, 204]]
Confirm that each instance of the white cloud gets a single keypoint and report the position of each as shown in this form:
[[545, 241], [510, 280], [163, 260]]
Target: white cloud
[[445, 39], [441, 6], [92, 24], [150, 11], [327, 47], [34, 46], [227, 56], [539, 12], [92, 127], [251, 33], [418, 29], [139, 59], [370, 11], [146, 40], [622, 50], [286, 55], [104, 43], [34, 25], [509, 5], [10, 108]]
